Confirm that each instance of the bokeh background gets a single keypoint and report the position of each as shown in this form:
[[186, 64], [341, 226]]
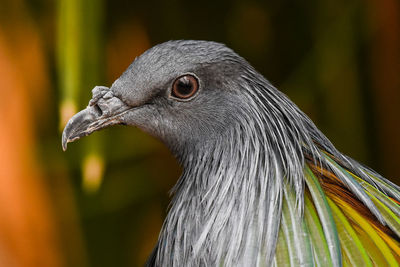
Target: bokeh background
[[103, 201]]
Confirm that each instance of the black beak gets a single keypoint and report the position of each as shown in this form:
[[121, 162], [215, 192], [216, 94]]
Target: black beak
[[104, 110]]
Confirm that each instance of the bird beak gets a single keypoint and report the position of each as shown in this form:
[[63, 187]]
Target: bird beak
[[104, 110]]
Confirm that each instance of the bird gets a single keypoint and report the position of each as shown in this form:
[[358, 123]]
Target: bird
[[261, 185]]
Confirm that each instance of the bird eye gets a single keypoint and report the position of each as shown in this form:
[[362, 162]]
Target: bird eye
[[185, 87]]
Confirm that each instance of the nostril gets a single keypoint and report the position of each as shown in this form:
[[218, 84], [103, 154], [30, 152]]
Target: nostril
[[98, 110]]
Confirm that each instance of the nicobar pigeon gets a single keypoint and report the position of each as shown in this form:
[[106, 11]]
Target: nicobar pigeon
[[261, 185]]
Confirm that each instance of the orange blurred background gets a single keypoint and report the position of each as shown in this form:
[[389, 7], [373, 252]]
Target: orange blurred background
[[102, 202]]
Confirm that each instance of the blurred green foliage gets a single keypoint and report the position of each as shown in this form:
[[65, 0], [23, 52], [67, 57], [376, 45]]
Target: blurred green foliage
[[338, 60]]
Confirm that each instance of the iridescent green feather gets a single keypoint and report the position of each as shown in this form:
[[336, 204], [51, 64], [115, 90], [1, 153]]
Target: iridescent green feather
[[325, 216], [282, 254], [319, 244], [293, 226], [351, 244]]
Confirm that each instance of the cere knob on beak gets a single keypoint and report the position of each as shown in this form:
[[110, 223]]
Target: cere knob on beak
[[104, 110]]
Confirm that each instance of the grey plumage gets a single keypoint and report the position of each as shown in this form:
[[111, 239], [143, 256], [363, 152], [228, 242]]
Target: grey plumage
[[221, 209], [243, 146]]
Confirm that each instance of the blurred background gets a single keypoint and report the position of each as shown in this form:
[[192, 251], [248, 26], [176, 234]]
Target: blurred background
[[102, 202]]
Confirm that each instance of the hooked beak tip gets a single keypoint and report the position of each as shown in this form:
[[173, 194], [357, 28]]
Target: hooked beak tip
[[77, 127], [64, 142]]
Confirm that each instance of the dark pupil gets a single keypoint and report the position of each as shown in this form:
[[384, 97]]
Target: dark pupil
[[184, 86]]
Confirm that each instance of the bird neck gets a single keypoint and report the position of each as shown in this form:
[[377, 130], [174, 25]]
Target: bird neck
[[229, 189]]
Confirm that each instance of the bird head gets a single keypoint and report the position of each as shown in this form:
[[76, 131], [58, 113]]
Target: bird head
[[183, 92]]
